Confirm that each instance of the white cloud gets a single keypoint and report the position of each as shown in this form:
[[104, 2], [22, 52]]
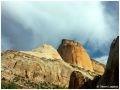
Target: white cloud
[[52, 21], [102, 59]]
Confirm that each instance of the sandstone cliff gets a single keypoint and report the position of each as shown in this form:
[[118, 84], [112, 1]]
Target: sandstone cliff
[[74, 53], [40, 65]]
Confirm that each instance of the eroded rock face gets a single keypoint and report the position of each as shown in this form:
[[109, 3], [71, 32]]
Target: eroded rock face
[[111, 75], [34, 68], [98, 67], [38, 66], [74, 53], [76, 80]]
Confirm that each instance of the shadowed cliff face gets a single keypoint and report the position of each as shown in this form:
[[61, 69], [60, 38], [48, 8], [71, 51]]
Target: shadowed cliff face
[[74, 53], [76, 80], [111, 75]]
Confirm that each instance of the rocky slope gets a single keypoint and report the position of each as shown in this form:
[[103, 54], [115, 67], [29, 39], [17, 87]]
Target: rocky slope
[[74, 53], [41, 65]]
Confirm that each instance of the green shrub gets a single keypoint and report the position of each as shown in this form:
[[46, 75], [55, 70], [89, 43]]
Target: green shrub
[[49, 86], [8, 85]]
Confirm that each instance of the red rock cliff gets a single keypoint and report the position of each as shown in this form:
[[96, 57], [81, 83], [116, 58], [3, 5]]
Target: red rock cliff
[[74, 53]]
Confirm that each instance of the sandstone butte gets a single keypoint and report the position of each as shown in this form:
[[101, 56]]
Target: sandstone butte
[[74, 53], [43, 64]]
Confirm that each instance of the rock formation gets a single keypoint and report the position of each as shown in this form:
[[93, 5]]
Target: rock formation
[[46, 51], [110, 78], [74, 53], [76, 80], [98, 67], [44, 64], [40, 65]]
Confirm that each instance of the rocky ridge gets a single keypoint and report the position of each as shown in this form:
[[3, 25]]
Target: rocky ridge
[[38, 66]]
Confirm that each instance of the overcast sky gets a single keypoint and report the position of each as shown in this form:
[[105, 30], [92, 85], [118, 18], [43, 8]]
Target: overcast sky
[[27, 25]]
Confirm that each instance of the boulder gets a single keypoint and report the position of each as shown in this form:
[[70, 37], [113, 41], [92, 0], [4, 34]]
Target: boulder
[[76, 80]]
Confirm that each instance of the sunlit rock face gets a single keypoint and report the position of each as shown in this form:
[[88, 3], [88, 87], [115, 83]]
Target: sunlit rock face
[[42, 64], [111, 75], [46, 51], [98, 67], [74, 53]]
